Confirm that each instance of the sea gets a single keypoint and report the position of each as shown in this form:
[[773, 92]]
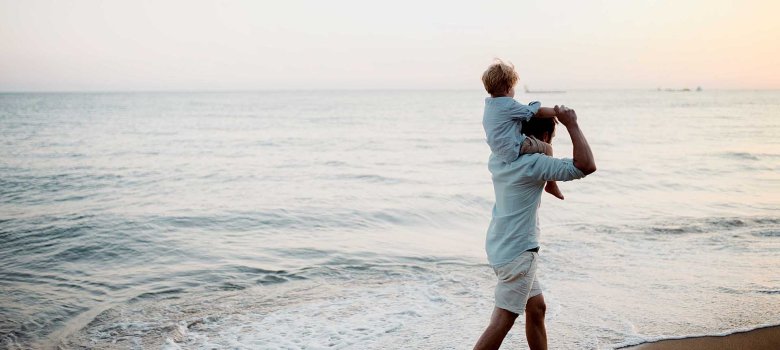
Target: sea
[[353, 219]]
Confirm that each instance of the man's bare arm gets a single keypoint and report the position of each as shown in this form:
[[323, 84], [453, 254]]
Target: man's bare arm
[[583, 156]]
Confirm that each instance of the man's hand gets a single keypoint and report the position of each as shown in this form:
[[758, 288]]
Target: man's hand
[[566, 115]]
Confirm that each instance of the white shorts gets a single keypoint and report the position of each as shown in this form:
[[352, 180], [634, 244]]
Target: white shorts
[[517, 282]]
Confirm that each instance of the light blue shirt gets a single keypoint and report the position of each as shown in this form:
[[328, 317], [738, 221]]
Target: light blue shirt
[[501, 121], [514, 227]]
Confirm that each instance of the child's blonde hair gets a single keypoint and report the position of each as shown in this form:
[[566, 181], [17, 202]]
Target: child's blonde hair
[[499, 78]]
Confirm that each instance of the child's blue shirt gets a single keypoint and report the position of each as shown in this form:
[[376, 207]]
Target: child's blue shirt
[[502, 125]]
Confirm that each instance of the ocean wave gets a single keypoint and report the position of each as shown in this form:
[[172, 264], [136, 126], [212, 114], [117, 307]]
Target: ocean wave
[[305, 219], [775, 232], [681, 226], [749, 155], [712, 225], [369, 178], [46, 189]]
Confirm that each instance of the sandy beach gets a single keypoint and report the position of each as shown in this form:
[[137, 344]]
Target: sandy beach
[[766, 338]]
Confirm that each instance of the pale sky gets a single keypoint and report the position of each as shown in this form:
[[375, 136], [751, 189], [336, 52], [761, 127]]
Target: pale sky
[[93, 45]]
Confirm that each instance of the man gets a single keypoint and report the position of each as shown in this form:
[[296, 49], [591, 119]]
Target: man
[[512, 243]]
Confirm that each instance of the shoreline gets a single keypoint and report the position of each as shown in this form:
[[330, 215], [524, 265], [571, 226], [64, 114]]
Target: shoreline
[[762, 338]]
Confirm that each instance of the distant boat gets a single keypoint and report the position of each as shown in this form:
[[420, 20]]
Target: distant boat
[[542, 91], [698, 89]]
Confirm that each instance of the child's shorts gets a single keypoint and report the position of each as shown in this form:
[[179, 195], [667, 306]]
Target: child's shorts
[[533, 145], [517, 282]]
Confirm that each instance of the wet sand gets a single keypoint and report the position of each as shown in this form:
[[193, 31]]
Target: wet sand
[[766, 338]]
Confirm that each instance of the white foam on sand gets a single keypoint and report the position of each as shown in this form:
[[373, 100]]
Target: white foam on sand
[[352, 316], [447, 309], [594, 302]]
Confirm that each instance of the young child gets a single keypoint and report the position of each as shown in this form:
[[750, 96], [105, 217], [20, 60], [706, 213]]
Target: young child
[[503, 116]]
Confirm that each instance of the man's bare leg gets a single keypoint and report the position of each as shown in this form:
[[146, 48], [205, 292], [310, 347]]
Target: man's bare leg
[[500, 324], [534, 323]]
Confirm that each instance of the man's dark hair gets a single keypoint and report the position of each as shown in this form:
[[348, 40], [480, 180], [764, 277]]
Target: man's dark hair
[[536, 127]]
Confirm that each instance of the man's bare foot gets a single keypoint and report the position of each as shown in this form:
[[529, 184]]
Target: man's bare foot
[[552, 188]]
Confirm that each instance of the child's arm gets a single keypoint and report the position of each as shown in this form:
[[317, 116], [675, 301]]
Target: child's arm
[[524, 112], [546, 112], [519, 111]]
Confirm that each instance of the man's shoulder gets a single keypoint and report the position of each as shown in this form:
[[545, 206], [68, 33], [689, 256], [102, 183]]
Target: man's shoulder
[[523, 163], [534, 162], [541, 158], [550, 168], [533, 158]]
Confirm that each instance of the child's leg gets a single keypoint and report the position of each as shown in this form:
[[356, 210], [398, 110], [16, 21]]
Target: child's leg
[[534, 145], [552, 186]]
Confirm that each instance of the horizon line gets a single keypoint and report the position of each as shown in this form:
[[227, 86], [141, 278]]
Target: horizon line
[[557, 90]]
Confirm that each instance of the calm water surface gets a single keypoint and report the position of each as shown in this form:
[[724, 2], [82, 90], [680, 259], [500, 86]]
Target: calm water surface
[[356, 220]]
